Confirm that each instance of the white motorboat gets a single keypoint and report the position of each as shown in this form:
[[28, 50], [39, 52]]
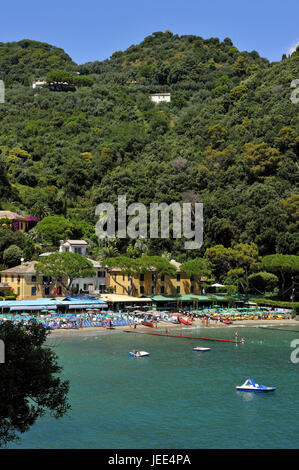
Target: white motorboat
[[139, 353], [199, 348], [250, 386]]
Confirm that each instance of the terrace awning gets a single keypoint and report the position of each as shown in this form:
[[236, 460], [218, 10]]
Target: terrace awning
[[102, 305], [28, 307]]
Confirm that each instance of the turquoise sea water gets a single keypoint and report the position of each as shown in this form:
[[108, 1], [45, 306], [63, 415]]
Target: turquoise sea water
[[175, 398]]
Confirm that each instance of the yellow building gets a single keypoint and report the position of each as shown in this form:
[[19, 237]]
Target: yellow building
[[144, 284], [26, 284], [20, 221]]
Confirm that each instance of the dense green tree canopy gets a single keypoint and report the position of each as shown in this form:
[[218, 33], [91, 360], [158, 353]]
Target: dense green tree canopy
[[229, 136], [54, 228], [196, 267], [27, 60], [262, 282], [30, 382], [65, 266], [12, 256]]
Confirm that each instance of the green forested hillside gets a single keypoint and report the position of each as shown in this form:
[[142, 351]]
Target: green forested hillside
[[229, 138], [28, 60]]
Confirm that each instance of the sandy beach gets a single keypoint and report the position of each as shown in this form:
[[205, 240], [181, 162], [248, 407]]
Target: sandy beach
[[167, 325]]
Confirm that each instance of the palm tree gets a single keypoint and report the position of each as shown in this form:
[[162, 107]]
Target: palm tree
[[40, 210], [141, 246], [34, 235], [62, 198], [106, 252]]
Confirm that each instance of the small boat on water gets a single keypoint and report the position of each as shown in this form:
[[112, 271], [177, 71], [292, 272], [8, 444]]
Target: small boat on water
[[139, 353], [227, 322], [250, 386], [199, 348]]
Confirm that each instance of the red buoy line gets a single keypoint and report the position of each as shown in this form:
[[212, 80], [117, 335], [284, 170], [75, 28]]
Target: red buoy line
[[181, 336]]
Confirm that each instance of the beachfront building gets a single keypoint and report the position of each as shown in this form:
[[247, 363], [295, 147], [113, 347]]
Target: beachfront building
[[84, 285], [92, 285], [144, 284], [188, 302], [26, 284], [119, 302], [5, 290], [160, 97]]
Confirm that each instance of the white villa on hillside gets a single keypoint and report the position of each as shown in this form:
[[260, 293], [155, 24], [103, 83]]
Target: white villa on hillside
[[39, 84], [159, 97], [74, 246]]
